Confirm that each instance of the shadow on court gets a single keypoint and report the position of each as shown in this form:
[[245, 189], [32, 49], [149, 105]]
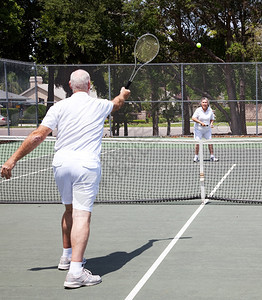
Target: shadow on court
[[112, 262]]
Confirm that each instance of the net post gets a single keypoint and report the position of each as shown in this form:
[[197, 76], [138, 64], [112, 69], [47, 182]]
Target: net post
[[201, 175]]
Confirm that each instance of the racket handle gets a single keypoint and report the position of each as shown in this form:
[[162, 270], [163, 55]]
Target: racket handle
[[128, 84]]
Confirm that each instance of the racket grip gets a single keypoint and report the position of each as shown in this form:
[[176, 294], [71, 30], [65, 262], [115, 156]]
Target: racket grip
[[128, 84]]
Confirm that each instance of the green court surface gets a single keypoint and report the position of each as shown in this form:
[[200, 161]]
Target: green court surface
[[170, 251]]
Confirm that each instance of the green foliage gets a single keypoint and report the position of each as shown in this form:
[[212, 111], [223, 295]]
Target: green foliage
[[11, 25], [105, 31], [220, 117], [30, 113], [80, 31], [17, 32], [138, 122], [87, 31]]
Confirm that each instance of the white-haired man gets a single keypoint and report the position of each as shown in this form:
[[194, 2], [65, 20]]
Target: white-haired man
[[79, 120]]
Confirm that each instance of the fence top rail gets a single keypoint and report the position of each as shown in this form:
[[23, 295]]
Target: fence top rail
[[129, 64], [152, 64]]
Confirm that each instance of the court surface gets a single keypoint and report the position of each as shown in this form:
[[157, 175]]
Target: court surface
[[171, 251]]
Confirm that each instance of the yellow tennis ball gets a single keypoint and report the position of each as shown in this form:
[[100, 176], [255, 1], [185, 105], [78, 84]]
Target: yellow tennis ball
[[198, 45]]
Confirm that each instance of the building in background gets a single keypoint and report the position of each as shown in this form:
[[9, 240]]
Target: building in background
[[42, 91], [12, 99]]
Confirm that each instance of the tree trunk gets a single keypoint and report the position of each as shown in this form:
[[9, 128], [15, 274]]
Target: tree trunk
[[155, 119], [125, 128], [50, 95], [234, 110], [168, 131], [51, 83], [186, 118], [154, 108], [242, 105]]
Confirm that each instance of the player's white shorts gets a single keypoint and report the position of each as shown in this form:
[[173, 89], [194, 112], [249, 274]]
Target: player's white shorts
[[77, 182], [205, 133]]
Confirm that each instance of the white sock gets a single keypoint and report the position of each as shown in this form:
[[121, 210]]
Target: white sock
[[196, 156], [212, 155], [67, 252], [76, 268]]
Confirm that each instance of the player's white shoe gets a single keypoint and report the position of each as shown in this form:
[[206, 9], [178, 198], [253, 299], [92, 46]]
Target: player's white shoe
[[213, 158], [85, 278], [196, 159]]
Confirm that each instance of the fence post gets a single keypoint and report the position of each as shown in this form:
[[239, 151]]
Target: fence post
[[109, 98], [7, 100], [182, 98], [256, 99], [36, 95]]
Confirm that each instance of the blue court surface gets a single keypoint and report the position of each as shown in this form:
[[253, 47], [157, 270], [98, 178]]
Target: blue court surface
[[161, 251]]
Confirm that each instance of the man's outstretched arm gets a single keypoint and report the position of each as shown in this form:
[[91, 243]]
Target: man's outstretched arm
[[29, 144]]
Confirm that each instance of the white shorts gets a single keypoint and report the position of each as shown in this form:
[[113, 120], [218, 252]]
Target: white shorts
[[78, 183], [202, 133]]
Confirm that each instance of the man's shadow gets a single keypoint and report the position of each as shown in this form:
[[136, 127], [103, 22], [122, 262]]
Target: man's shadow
[[111, 262], [114, 261]]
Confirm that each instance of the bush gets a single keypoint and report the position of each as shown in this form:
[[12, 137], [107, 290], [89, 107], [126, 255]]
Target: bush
[[30, 113], [162, 120], [138, 122]]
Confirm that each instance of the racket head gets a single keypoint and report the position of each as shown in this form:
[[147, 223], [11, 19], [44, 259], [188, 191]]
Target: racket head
[[146, 48]]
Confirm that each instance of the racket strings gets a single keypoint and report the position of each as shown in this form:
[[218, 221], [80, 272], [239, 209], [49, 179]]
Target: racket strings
[[146, 49]]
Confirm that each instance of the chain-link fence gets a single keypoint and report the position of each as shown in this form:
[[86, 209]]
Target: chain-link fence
[[163, 96]]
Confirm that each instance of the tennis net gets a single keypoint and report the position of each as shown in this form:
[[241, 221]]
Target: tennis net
[[145, 170]]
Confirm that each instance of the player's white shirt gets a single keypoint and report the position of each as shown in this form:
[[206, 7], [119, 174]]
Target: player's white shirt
[[203, 116], [79, 121]]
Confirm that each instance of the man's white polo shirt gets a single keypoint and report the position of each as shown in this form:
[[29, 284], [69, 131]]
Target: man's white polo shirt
[[79, 121]]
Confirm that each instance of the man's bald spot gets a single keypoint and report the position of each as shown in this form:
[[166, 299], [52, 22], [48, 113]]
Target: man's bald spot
[[80, 81]]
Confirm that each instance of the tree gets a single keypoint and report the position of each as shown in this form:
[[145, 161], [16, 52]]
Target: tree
[[80, 32], [11, 26], [18, 22], [225, 29]]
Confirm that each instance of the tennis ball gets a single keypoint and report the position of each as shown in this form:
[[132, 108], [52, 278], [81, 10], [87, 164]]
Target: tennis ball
[[198, 45]]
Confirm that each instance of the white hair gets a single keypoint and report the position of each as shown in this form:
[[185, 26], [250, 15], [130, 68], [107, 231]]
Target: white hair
[[79, 80], [204, 98]]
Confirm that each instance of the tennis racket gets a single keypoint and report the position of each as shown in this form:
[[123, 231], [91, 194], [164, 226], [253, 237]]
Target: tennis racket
[[146, 49]]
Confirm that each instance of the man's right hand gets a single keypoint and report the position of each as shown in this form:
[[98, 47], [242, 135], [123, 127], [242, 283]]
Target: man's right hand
[[119, 100], [125, 93]]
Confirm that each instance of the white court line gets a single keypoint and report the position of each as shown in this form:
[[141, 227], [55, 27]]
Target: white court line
[[25, 175], [155, 265], [221, 181], [162, 256]]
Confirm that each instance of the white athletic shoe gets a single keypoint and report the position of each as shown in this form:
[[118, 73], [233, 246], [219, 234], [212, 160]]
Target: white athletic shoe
[[213, 158], [196, 159], [85, 279]]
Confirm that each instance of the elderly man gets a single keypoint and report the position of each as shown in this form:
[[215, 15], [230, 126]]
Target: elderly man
[[79, 120]]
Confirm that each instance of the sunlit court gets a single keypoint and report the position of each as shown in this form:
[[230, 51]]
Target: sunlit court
[[152, 232]]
